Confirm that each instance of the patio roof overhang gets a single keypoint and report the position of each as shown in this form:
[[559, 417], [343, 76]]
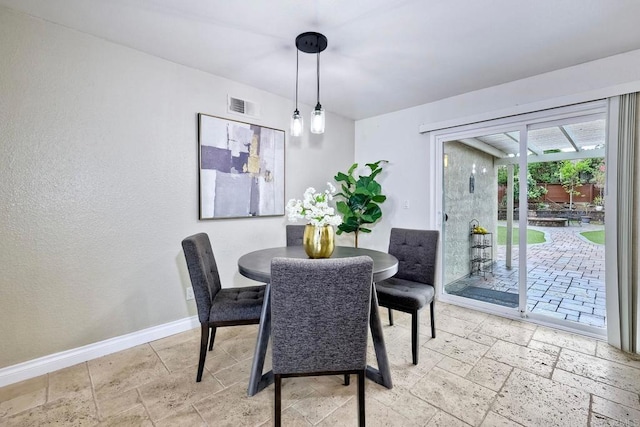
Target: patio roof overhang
[[578, 138]]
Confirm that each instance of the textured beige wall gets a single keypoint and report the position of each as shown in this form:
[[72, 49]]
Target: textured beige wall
[[462, 206], [98, 165]]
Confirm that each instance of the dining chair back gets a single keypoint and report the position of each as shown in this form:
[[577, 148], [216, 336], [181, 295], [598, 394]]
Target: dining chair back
[[412, 287], [319, 320], [295, 235], [217, 306]]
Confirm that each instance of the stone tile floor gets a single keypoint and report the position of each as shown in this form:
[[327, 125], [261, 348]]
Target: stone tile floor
[[565, 277], [481, 370]]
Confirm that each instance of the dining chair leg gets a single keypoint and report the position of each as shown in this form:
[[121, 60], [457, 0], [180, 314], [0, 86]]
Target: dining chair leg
[[204, 340], [361, 411], [414, 336], [347, 379], [277, 416], [390, 317], [433, 320], [213, 337]]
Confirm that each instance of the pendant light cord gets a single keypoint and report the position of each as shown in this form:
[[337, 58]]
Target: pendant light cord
[[318, 73], [297, 60]]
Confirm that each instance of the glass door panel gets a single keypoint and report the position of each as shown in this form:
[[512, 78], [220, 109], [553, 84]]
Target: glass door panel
[[565, 222], [475, 199]]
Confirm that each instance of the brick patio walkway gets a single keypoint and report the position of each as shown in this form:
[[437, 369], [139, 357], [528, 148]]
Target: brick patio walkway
[[565, 278]]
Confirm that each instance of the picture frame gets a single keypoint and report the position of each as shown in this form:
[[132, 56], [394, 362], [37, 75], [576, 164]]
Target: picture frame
[[241, 169]]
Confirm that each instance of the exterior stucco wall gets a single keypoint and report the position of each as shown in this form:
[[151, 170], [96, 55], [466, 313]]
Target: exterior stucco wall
[[461, 206]]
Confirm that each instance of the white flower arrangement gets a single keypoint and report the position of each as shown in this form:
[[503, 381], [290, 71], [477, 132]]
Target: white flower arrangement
[[314, 208]]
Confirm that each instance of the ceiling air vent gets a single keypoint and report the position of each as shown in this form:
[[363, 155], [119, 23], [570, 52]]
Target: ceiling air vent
[[242, 106]]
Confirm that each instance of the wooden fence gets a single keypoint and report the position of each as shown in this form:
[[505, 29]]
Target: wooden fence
[[557, 194]]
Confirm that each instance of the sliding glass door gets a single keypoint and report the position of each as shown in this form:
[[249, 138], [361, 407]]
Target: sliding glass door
[[523, 219]]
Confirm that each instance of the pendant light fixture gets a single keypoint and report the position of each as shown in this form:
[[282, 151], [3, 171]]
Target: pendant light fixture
[[311, 42], [317, 115], [297, 124]]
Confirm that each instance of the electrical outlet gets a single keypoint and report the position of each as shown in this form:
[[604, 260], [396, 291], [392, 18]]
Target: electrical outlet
[[190, 296], [405, 204]]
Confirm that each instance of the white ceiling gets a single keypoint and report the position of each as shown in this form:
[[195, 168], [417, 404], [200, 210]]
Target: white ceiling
[[383, 55]]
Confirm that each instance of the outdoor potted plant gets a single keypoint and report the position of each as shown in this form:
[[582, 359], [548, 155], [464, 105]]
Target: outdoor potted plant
[[598, 201]]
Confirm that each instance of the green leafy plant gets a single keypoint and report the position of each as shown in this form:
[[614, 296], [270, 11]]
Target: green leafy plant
[[545, 172], [570, 174], [534, 191], [362, 196], [599, 178]]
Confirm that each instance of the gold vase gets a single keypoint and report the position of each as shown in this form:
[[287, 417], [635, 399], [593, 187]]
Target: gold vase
[[318, 242]]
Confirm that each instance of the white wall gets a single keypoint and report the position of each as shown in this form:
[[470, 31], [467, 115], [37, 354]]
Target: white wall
[[396, 136], [98, 165], [389, 137]]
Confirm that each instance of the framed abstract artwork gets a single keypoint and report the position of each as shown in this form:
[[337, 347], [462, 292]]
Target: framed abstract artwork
[[241, 169]]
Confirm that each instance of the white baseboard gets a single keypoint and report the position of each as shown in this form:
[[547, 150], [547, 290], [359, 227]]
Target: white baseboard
[[53, 362]]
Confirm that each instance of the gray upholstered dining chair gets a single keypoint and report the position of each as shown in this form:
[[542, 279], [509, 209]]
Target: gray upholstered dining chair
[[295, 234], [412, 286], [217, 306], [319, 320]]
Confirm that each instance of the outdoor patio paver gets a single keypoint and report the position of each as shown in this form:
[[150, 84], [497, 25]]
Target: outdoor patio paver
[[565, 277]]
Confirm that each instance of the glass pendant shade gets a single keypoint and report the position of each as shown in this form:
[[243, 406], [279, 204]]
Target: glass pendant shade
[[297, 124], [317, 119]]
